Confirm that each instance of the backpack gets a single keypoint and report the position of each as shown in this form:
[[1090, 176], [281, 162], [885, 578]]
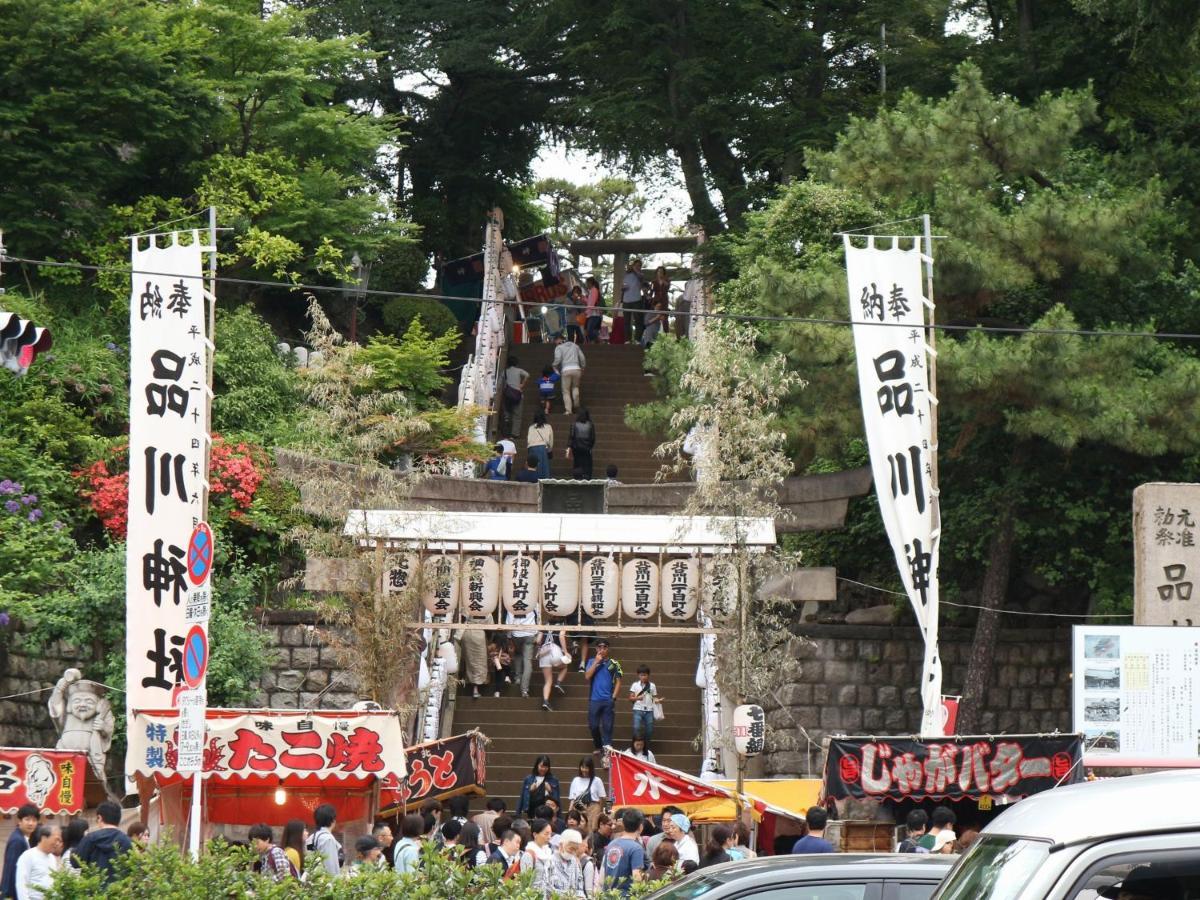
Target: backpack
[[583, 435], [314, 845]]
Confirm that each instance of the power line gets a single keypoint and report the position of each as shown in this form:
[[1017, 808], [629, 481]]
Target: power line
[[1011, 612], [736, 317]]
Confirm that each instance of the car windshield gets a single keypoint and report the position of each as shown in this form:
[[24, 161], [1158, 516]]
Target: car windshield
[[995, 868], [695, 886]]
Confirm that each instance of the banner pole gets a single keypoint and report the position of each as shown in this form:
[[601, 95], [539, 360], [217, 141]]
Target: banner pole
[[931, 670]]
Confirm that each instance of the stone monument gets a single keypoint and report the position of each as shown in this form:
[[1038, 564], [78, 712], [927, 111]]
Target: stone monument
[[84, 718], [1166, 554]]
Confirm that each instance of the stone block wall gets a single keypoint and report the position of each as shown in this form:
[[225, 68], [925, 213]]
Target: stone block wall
[[24, 719], [862, 679], [306, 672]]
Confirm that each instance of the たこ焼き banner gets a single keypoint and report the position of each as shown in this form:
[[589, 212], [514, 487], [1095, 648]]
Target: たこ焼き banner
[[887, 308], [166, 648]]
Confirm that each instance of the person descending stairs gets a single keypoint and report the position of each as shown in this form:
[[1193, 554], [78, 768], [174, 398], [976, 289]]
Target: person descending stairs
[[520, 730]]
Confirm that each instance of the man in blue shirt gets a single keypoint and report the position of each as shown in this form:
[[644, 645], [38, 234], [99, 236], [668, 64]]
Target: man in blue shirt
[[814, 841], [624, 858], [605, 676]]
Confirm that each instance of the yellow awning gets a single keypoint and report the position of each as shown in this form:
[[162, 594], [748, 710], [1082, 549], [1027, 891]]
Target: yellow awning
[[792, 795]]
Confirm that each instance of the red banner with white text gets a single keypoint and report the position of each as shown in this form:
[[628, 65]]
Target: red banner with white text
[[52, 780]]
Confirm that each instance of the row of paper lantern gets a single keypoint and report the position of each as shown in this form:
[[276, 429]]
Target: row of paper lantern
[[560, 586]]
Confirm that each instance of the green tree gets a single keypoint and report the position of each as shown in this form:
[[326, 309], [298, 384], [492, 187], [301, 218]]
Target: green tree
[[1044, 233], [608, 208]]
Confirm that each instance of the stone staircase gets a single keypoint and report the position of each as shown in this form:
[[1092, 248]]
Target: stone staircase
[[613, 380], [520, 729]]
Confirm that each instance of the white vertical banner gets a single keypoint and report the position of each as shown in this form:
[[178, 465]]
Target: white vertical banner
[[887, 307], [166, 648]]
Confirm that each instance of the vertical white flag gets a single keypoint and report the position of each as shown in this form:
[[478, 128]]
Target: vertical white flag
[[887, 307], [166, 647]]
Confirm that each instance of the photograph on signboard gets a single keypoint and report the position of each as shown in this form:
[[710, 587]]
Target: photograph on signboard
[[1102, 740], [1101, 709], [1102, 676], [1102, 646]]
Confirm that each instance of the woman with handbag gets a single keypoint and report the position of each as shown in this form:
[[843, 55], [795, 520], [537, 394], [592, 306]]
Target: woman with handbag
[[540, 442], [539, 784], [579, 446], [553, 657], [586, 794], [647, 704]]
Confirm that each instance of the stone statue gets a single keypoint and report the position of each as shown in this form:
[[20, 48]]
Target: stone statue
[[84, 718]]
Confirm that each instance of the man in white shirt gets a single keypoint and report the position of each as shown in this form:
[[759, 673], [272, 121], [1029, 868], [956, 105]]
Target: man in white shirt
[[570, 362], [39, 863], [509, 453], [523, 644], [632, 302]]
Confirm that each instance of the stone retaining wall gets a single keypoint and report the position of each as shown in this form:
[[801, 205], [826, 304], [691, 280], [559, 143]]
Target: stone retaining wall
[[24, 720], [862, 679], [306, 672]]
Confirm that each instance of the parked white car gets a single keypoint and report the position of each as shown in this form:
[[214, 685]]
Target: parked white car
[[1135, 838]]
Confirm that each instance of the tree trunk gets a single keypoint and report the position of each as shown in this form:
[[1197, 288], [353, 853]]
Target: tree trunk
[[703, 210], [995, 589], [727, 174]]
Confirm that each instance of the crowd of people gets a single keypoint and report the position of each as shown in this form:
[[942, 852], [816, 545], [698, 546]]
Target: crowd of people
[[36, 850]]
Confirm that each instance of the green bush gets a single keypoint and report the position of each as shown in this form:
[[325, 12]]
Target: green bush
[[165, 873]]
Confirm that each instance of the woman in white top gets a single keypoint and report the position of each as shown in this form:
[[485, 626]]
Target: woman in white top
[[587, 792], [540, 443], [639, 749]]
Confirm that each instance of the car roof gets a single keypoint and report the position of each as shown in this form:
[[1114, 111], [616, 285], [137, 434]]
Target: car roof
[[832, 865], [1102, 809]]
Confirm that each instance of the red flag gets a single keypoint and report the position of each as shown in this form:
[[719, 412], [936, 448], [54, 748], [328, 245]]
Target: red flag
[[649, 787]]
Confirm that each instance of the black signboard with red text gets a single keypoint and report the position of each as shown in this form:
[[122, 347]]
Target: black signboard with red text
[[950, 768], [437, 770]]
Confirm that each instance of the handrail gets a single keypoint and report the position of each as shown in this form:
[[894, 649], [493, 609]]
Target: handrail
[[478, 385], [712, 765], [431, 722]]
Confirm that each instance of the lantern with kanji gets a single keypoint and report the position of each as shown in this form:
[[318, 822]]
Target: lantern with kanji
[[601, 579], [480, 587], [749, 729], [439, 589], [520, 584], [639, 589], [680, 581], [400, 573], [720, 595], [560, 586]]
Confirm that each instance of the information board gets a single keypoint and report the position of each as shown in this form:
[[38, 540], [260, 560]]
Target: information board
[[1137, 695]]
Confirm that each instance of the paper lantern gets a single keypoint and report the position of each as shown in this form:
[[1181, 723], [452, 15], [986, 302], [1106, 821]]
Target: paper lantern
[[400, 572], [439, 592], [749, 729], [520, 584], [680, 583], [560, 586], [480, 586], [600, 582], [639, 589], [720, 589]]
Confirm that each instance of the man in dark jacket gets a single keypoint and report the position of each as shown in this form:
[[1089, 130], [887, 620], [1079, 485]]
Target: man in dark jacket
[[18, 843], [101, 847]]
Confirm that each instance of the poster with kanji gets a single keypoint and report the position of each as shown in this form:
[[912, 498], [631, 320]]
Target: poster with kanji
[[910, 769], [649, 787], [887, 308], [1136, 694], [52, 780], [277, 743], [168, 439], [437, 770]]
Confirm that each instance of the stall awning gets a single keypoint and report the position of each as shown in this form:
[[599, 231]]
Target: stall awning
[[52, 780], [790, 796], [286, 746], [438, 770], [437, 530]]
